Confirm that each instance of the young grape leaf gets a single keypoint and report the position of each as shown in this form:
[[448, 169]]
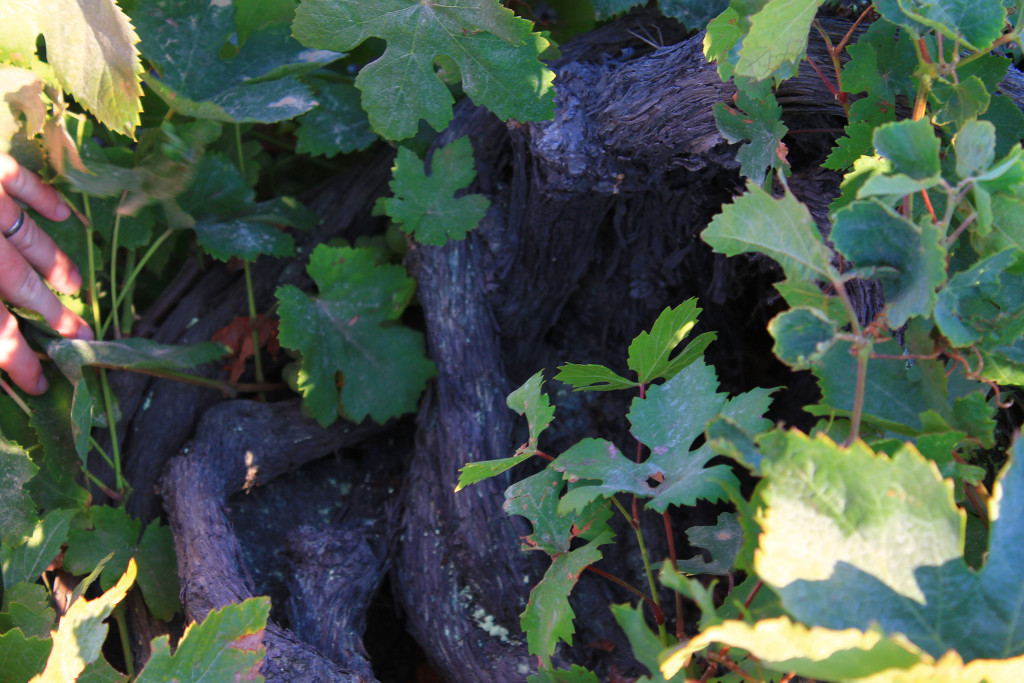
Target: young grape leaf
[[426, 206], [777, 37], [226, 646], [92, 53], [496, 53], [724, 32], [27, 606], [592, 378], [911, 146], [960, 102], [783, 229], [816, 653], [975, 148], [184, 38], [984, 306], [976, 25], [350, 329], [548, 616], [869, 233], [1007, 227], [802, 335], [890, 556], [115, 532], [723, 541], [668, 420], [536, 498], [21, 656], [574, 674], [28, 560], [82, 632], [646, 644], [757, 117], [17, 512], [338, 125], [649, 353]]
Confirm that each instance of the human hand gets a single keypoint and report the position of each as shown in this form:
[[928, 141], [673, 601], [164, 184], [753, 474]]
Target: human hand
[[26, 252]]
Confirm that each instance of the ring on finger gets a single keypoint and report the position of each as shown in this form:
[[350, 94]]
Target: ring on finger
[[13, 230]]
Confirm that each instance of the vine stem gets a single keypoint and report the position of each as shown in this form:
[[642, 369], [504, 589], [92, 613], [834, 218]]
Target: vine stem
[[670, 534], [662, 633], [108, 405], [14, 397], [257, 361], [126, 646], [118, 297], [659, 616]]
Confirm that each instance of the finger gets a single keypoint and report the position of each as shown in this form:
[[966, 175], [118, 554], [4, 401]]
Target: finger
[[27, 187], [20, 285], [17, 359], [43, 254]]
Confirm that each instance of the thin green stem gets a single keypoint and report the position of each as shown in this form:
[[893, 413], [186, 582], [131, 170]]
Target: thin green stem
[[253, 324], [108, 405], [127, 309], [230, 389], [113, 318], [103, 453], [94, 293], [611, 577], [863, 355], [670, 535], [126, 646], [14, 397], [130, 282]]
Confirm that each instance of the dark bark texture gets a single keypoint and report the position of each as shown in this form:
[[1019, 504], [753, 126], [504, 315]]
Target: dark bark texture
[[593, 229]]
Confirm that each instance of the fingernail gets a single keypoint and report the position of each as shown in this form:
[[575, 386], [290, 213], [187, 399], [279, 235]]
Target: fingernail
[[62, 211], [42, 385], [85, 333]]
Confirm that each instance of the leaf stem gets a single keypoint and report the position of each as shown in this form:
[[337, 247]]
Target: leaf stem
[[90, 248], [9, 390], [118, 297], [108, 405], [670, 535], [253, 325], [659, 616], [126, 646]]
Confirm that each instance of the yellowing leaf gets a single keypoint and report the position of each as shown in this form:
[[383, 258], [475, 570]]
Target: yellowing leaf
[[81, 632]]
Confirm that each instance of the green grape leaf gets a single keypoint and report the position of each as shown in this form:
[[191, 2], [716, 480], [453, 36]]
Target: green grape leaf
[[350, 329], [693, 14], [253, 15], [975, 25], [723, 541], [21, 656], [723, 33], [115, 532], [17, 513], [92, 54], [27, 607], [896, 393], [592, 378], [804, 294], [474, 472], [425, 206], [227, 645], [802, 335], [649, 353], [777, 36], [574, 674], [984, 306], [881, 62], [338, 125], [783, 229], [603, 9], [27, 561], [82, 631], [668, 421], [646, 644], [548, 616], [962, 101], [911, 146], [496, 53], [184, 38], [891, 557], [757, 117], [1007, 230], [975, 148], [855, 143], [1008, 120], [869, 233], [536, 498], [816, 653], [22, 94], [100, 671]]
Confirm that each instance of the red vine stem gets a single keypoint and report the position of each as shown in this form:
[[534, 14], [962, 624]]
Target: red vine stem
[[670, 534], [659, 616]]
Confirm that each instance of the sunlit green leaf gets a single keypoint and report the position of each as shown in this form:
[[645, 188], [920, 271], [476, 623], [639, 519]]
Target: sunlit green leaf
[[592, 378], [41, 545], [17, 513], [496, 52], [778, 34]]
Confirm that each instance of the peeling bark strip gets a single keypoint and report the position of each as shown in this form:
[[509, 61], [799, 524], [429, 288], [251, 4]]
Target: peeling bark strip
[[240, 444]]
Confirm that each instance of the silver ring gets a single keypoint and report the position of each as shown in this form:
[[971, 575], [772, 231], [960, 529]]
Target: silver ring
[[13, 230]]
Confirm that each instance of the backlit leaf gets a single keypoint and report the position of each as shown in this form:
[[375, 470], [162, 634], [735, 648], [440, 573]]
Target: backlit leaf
[[778, 34], [350, 329], [496, 52], [82, 631], [592, 378], [28, 560], [650, 353], [425, 206]]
